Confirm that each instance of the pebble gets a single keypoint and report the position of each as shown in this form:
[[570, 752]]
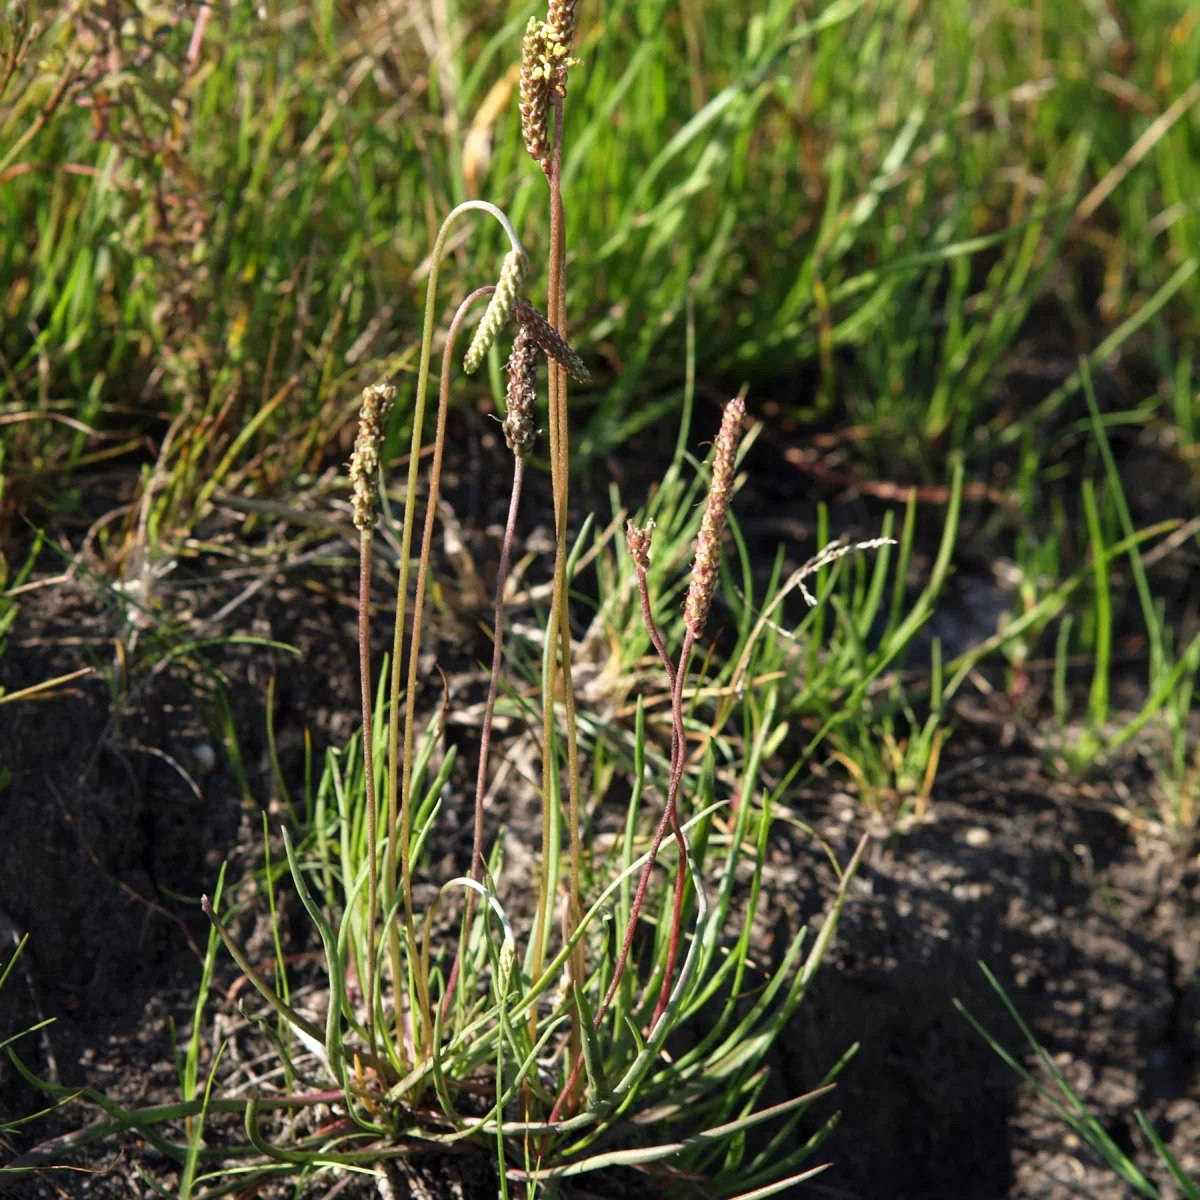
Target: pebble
[[977, 836]]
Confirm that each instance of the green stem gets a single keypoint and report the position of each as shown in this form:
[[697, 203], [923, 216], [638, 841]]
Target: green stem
[[559, 320], [558, 632], [554, 436]]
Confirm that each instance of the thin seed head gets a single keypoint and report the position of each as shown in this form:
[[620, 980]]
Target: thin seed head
[[518, 426], [706, 565], [550, 341], [364, 462], [637, 542], [508, 288]]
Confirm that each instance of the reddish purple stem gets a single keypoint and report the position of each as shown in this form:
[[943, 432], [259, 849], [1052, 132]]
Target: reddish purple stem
[[485, 737]]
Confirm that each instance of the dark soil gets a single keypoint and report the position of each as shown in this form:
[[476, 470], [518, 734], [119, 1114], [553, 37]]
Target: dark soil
[[109, 831], [1096, 947]]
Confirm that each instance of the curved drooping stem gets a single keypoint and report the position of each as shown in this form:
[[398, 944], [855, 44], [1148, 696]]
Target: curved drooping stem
[[397, 788]]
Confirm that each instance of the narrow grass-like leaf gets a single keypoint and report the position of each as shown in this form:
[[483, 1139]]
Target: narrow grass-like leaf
[[188, 1175], [333, 965], [1190, 1190], [1069, 1107]]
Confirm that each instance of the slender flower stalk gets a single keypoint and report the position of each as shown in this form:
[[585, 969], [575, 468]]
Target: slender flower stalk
[[520, 435], [558, 633], [549, 660], [364, 467], [406, 533], [705, 572], [637, 540], [545, 62], [566, 362]]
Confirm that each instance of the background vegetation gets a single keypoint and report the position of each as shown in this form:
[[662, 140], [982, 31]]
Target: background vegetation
[[907, 223]]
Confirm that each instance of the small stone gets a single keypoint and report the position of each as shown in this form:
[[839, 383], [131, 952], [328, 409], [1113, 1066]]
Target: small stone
[[206, 758], [977, 836], [969, 893]]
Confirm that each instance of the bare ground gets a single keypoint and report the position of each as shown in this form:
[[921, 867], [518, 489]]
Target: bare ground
[[110, 831]]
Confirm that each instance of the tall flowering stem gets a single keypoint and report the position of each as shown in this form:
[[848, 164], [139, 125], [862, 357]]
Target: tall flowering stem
[[706, 569], [546, 59], [637, 541]]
